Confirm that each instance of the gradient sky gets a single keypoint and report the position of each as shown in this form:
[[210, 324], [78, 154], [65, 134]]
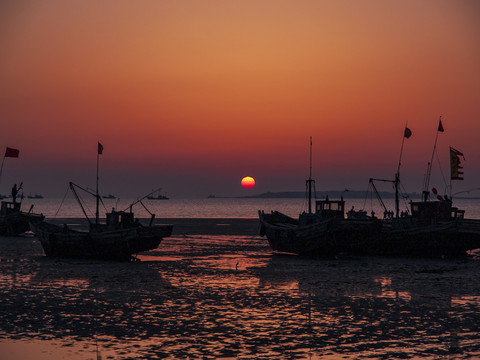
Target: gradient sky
[[192, 96]]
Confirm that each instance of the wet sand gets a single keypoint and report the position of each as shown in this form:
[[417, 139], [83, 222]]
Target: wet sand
[[214, 296], [189, 226]]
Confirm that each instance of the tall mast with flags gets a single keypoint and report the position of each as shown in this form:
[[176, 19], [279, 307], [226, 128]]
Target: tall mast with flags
[[406, 134], [310, 181], [99, 152], [429, 167]]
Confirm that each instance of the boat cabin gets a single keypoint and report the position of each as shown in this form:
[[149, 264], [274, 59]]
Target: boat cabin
[[120, 219], [327, 209], [429, 212], [9, 207]]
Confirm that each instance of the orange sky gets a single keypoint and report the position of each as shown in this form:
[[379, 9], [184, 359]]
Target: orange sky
[[192, 96]]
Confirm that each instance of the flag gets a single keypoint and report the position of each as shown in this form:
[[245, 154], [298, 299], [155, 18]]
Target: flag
[[440, 126], [407, 133], [100, 149], [12, 152], [455, 173]]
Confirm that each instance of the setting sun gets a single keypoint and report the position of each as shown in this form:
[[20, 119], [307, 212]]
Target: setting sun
[[248, 182]]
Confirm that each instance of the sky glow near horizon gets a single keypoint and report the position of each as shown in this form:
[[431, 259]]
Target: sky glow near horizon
[[189, 96]]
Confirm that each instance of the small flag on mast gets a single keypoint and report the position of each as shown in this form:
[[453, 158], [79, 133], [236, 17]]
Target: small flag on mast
[[455, 173], [100, 149], [440, 126], [12, 152], [407, 132]]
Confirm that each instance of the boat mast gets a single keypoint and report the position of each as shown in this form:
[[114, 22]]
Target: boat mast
[[99, 152], [310, 181], [425, 192], [406, 134]]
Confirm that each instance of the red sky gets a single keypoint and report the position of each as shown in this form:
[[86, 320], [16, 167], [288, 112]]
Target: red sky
[[193, 96]]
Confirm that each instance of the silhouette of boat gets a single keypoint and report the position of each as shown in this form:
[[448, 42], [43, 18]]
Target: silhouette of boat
[[121, 237], [14, 221], [36, 196], [109, 196], [428, 229], [158, 196]]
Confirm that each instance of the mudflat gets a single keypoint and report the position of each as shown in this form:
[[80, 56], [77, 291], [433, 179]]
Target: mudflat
[[201, 295]]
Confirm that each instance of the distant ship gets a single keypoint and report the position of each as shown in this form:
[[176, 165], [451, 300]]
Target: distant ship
[[158, 196], [36, 196], [109, 196]]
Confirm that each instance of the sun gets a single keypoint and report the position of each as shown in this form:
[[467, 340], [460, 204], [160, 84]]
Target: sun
[[248, 182]]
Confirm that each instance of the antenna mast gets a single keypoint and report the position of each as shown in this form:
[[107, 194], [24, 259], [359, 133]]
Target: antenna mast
[[310, 181], [429, 167]]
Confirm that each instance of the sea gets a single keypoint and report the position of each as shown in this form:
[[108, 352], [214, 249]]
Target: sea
[[215, 207], [230, 297]]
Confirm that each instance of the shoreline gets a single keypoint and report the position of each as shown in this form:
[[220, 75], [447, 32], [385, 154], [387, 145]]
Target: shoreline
[[186, 226]]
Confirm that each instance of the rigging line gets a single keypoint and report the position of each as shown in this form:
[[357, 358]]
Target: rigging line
[[441, 172], [85, 206], [405, 197], [64, 197], [366, 196]]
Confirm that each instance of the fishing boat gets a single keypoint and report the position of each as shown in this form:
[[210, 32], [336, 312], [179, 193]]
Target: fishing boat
[[430, 228], [121, 237], [326, 232], [14, 221], [109, 196], [35, 196], [158, 196]]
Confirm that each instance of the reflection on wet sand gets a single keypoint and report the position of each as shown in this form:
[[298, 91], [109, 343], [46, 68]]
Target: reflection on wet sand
[[229, 297], [394, 308]]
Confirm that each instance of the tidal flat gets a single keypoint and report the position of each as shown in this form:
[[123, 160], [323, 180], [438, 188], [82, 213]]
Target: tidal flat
[[227, 296]]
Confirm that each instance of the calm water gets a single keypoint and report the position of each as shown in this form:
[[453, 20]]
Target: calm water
[[212, 208]]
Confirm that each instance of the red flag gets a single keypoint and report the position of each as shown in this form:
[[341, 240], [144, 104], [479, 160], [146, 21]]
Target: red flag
[[100, 149], [440, 126], [12, 152], [407, 133], [455, 173]]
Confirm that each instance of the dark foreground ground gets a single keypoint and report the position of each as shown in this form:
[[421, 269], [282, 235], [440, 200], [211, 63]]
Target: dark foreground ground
[[226, 296]]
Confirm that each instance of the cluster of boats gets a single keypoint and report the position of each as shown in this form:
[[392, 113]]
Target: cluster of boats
[[430, 228]]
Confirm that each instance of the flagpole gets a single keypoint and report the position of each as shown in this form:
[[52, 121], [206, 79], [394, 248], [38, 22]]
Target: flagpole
[[429, 167], [1, 169], [96, 213], [397, 175], [401, 150]]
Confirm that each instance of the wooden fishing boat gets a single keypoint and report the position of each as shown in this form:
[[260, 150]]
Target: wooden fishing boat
[[121, 237], [323, 233], [14, 221]]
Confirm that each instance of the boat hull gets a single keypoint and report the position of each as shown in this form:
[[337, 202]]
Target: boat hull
[[17, 223], [370, 237], [120, 244]]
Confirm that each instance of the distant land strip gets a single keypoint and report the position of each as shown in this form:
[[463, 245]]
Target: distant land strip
[[332, 194]]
